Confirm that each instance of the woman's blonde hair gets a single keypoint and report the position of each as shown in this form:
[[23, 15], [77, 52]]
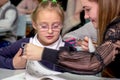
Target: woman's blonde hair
[[108, 11], [50, 5]]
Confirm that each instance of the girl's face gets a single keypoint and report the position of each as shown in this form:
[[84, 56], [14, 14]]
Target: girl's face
[[48, 26], [91, 11]]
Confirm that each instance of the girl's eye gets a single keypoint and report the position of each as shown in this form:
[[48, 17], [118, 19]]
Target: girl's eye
[[43, 27], [56, 26]]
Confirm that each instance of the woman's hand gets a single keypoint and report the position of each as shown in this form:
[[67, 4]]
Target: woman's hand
[[32, 52], [84, 44], [18, 61]]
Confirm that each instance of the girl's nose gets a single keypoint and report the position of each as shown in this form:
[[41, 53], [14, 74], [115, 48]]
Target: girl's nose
[[50, 30]]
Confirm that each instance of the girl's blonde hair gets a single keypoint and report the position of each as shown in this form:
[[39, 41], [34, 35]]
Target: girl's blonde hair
[[50, 5]]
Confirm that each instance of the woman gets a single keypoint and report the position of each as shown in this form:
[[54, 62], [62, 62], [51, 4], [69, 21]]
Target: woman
[[105, 16]]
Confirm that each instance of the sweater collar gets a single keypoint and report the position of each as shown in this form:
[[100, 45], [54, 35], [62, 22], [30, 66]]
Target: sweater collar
[[56, 45]]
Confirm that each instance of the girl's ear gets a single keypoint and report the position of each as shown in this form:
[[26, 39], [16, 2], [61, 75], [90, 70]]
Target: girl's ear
[[34, 25]]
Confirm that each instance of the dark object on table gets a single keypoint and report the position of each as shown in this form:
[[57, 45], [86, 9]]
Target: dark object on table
[[46, 78]]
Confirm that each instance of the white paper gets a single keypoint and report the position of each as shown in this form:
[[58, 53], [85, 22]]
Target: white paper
[[91, 46]]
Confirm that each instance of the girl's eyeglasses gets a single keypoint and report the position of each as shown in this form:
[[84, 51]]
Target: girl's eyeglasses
[[54, 27]]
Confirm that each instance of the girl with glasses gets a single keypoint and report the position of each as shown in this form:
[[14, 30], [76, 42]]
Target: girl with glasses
[[47, 20]]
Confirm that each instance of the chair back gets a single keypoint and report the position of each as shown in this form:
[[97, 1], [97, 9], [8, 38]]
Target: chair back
[[21, 28]]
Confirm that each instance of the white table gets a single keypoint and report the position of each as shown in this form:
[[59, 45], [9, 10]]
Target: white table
[[69, 76], [4, 73]]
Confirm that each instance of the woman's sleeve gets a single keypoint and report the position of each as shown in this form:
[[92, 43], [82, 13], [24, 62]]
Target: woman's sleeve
[[111, 39], [50, 55], [111, 44]]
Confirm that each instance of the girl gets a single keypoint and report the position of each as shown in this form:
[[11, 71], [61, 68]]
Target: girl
[[47, 20]]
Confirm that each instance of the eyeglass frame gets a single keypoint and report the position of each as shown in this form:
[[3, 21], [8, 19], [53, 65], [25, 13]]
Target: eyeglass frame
[[46, 28]]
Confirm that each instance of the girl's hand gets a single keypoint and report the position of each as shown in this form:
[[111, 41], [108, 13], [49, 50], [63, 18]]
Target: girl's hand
[[18, 61], [32, 52]]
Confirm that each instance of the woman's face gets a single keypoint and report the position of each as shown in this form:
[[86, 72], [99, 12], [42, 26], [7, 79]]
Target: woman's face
[[48, 26], [91, 11]]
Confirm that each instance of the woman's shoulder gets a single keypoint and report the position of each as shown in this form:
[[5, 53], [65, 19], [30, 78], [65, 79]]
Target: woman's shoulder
[[113, 30], [114, 23]]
